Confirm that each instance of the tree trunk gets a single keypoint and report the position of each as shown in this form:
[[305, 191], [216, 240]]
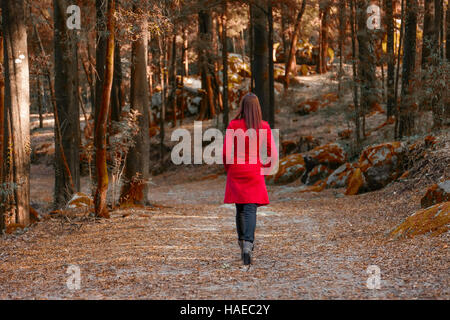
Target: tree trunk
[[430, 41], [101, 209], [162, 114], [185, 54], [406, 117], [390, 56], [342, 36], [261, 56], [271, 110], [251, 40], [357, 113], [17, 104], [100, 53], [291, 62], [438, 25], [138, 158], [3, 150], [173, 78], [284, 29], [116, 90], [323, 37], [207, 110], [67, 103], [367, 63], [225, 63], [41, 107], [447, 32]]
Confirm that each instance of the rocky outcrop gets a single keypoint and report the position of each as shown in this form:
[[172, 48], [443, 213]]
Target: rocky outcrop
[[437, 193], [381, 164], [433, 220], [331, 155], [290, 168], [356, 183], [340, 176], [318, 173]]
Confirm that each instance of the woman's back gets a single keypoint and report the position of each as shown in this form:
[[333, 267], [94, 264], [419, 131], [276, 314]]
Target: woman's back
[[243, 148]]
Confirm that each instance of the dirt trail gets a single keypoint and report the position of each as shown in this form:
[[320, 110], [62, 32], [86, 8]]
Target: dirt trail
[[308, 246]]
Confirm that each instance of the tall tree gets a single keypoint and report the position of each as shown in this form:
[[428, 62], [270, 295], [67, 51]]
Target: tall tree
[[225, 63], [117, 95], [17, 104], [3, 150], [207, 109], [367, 63], [67, 134], [324, 11], [260, 56], [290, 57], [342, 35], [429, 33], [271, 110], [357, 113], [447, 32], [406, 116], [138, 158], [100, 51], [390, 57], [101, 122]]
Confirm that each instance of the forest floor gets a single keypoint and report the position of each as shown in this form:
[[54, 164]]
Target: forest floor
[[308, 245]]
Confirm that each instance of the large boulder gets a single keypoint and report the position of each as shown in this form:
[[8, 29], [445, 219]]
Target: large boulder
[[331, 155], [437, 193], [356, 183], [318, 173], [290, 168], [382, 164], [340, 176], [434, 220]]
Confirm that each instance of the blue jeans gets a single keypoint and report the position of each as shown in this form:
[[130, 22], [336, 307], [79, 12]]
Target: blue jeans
[[246, 221]]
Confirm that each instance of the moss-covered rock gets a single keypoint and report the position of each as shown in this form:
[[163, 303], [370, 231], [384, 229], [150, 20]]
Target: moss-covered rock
[[433, 220], [381, 164], [290, 168], [340, 176], [437, 193]]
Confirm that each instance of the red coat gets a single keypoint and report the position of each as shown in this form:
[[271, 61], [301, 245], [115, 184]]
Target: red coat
[[245, 181]]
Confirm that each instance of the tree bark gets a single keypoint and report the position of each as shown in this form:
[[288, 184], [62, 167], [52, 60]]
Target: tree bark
[[430, 41], [271, 110], [342, 36], [100, 200], [323, 37], [17, 103], [291, 62], [225, 64], [67, 103], [138, 158], [207, 110], [367, 63], [117, 99], [406, 117], [390, 57], [3, 150], [261, 56], [357, 113], [100, 53], [447, 32]]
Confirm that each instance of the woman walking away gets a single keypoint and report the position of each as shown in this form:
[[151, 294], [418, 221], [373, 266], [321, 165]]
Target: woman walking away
[[247, 135]]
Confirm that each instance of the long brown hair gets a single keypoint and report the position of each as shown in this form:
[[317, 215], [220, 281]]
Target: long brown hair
[[250, 111]]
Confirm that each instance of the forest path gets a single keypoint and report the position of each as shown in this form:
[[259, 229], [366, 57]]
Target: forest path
[[308, 246]]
